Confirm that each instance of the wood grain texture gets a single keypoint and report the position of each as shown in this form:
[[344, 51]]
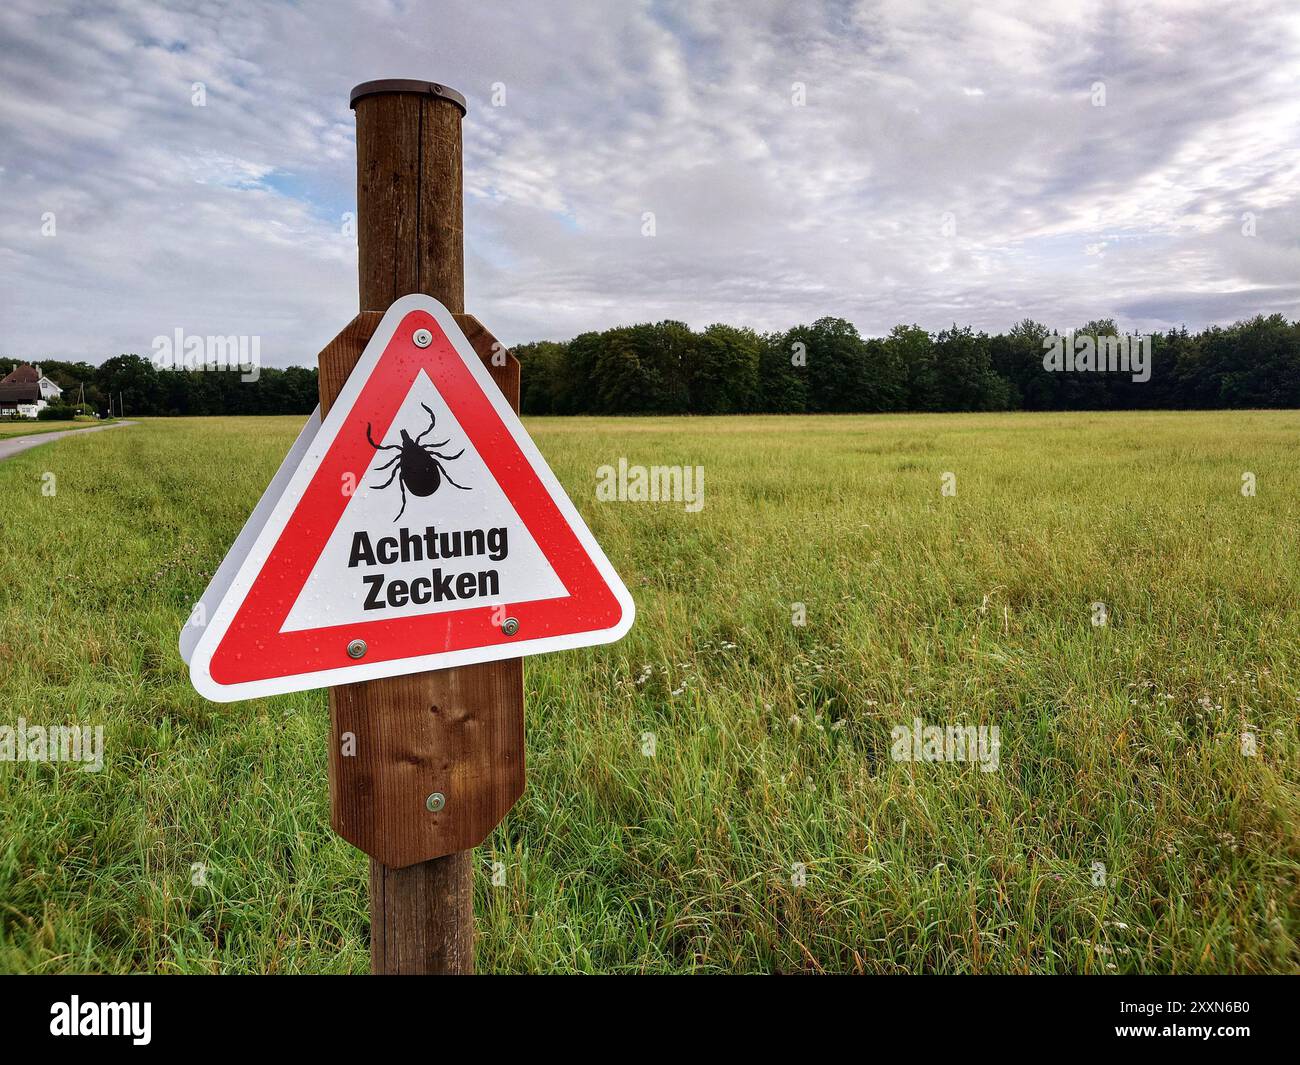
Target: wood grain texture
[[461, 731], [455, 731], [410, 235], [418, 923], [334, 363]]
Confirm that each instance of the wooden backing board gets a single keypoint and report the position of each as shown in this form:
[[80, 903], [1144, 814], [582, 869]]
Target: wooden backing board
[[455, 731]]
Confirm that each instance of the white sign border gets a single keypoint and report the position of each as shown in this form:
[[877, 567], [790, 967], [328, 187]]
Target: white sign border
[[225, 575], [313, 453]]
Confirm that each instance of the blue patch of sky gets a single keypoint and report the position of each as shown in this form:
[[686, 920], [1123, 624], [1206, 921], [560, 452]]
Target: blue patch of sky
[[325, 200]]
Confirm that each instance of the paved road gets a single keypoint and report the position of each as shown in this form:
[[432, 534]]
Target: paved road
[[15, 444]]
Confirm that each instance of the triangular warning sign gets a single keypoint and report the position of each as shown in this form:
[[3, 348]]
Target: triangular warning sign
[[420, 529]]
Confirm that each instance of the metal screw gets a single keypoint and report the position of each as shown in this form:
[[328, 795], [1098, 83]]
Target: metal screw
[[423, 338], [435, 802], [510, 626], [356, 648]]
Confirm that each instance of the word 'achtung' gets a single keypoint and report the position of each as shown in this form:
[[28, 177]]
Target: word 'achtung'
[[429, 545]]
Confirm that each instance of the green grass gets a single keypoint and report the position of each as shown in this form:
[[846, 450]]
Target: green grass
[[1119, 744], [11, 428]]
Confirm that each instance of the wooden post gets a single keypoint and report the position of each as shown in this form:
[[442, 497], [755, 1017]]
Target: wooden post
[[457, 733]]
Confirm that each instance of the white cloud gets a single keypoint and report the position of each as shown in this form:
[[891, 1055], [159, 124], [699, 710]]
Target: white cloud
[[228, 218]]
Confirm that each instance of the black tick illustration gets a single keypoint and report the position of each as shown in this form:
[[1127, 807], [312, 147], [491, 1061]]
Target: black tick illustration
[[417, 467]]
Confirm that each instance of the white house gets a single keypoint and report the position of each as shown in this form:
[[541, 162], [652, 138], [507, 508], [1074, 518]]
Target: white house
[[26, 391]]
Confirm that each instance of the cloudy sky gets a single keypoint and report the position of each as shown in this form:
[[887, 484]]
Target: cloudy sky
[[949, 162]]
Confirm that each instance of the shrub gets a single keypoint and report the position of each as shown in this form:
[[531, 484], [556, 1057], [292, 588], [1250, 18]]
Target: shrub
[[56, 412]]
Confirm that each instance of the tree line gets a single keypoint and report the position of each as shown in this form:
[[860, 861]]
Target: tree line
[[826, 367], [133, 385]]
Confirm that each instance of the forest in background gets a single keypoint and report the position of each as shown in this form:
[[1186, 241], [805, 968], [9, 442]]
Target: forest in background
[[826, 367]]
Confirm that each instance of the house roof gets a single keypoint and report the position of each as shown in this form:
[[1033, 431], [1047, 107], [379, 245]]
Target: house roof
[[22, 374], [23, 384], [20, 393]]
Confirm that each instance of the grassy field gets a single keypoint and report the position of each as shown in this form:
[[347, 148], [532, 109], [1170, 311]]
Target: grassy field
[[30, 427], [1121, 744]]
